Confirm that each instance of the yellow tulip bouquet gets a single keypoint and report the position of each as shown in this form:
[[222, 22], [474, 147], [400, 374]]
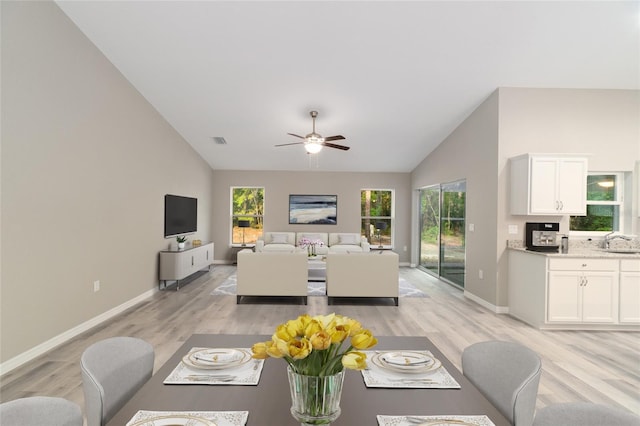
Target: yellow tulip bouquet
[[315, 346]]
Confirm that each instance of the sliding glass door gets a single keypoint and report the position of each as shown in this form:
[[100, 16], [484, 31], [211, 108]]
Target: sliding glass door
[[430, 229], [442, 231]]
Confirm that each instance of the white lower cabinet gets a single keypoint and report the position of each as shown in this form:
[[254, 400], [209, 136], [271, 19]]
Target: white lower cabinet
[[590, 293], [583, 290], [576, 297], [629, 291]]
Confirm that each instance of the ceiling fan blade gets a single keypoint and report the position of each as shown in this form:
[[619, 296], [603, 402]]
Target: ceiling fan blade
[[334, 138], [297, 136], [333, 145], [294, 143]]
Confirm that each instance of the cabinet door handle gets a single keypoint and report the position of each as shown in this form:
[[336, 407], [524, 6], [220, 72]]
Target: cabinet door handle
[[561, 205], [191, 260], [557, 205], [584, 265]]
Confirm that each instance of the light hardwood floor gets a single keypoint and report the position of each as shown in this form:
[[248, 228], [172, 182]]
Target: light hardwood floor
[[601, 367]]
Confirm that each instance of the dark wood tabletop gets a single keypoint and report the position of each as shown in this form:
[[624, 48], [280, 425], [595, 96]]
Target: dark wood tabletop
[[269, 402]]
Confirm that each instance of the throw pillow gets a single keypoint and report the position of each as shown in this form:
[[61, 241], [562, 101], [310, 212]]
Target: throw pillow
[[347, 239], [279, 239]]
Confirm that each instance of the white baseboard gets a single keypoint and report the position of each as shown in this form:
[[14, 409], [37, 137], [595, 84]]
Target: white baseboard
[[36, 351], [493, 308]]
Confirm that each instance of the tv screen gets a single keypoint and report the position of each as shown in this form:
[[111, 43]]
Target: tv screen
[[180, 215]]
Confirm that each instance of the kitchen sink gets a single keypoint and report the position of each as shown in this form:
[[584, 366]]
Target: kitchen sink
[[623, 250]]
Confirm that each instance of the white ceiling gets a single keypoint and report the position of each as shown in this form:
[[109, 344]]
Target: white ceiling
[[395, 78]]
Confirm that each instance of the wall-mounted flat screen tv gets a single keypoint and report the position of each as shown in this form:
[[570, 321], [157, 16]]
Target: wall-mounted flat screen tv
[[313, 209], [180, 215]]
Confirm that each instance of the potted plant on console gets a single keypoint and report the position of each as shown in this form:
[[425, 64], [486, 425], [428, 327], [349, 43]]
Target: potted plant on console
[[181, 242]]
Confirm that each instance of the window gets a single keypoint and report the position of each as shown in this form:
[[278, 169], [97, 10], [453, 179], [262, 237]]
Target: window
[[247, 204], [604, 205], [376, 216]]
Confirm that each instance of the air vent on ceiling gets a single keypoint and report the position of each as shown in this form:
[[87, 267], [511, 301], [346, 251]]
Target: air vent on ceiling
[[219, 140]]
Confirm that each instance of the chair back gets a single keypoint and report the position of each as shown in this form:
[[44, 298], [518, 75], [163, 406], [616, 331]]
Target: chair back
[[508, 375], [112, 371], [584, 414], [40, 411]]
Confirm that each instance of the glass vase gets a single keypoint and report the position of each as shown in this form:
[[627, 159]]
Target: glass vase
[[315, 400]]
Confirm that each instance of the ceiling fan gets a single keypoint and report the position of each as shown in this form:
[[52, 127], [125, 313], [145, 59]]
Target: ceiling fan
[[313, 142]]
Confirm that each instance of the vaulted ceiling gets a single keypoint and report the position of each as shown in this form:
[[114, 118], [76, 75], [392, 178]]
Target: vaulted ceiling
[[395, 78]]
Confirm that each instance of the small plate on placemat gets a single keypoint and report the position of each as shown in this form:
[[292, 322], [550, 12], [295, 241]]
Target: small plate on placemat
[[406, 361], [216, 358], [174, 420]]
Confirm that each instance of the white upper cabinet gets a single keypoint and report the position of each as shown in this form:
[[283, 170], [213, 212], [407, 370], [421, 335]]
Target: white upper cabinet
[[543, 184]]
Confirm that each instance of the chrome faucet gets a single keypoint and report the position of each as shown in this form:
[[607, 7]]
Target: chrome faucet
[[612, 236]]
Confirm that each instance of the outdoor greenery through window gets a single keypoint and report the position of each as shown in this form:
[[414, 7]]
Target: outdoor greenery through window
[[247, 204], [604, 204], [376, 212], [442, 230]]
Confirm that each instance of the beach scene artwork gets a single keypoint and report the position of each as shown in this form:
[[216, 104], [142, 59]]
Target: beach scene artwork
[[313, 209]]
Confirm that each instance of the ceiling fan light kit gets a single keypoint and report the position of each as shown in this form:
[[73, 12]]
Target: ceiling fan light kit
[[313, 142]]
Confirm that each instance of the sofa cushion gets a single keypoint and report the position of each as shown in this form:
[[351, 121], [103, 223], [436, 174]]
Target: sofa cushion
[[279, 239], [348, 239], [281, 248]]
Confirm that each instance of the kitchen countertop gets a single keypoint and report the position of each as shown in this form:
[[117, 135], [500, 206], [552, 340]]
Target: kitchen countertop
[[582, 252]]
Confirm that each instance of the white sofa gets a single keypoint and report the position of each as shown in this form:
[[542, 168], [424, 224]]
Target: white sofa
[[372, 274], [337, 242], [272, 274]]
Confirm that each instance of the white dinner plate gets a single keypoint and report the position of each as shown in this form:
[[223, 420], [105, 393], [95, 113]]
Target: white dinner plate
[[216, 358], [397, 361], [174, 420], [407, 359]]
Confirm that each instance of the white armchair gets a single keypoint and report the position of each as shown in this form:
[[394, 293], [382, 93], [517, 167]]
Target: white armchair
[[363, 275], [272, 274], [341, 242]]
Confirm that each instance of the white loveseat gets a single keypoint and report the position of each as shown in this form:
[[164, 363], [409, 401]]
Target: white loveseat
[[272, 274], [372, 274]]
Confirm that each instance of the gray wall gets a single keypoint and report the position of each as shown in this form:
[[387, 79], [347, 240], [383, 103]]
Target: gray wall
[[85, 164], [278, 186], [513, 121], [470, 153]]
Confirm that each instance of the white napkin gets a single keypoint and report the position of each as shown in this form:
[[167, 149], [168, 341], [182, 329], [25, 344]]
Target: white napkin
[[416, 420], [243, 374], [220, 418], [378, 377]]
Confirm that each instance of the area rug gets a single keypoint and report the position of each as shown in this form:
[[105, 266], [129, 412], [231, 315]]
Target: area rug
[[315, 288]]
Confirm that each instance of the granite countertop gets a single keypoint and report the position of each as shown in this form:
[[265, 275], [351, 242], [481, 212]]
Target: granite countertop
[[583, 249]]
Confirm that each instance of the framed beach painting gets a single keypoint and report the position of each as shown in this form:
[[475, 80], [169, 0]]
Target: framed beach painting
[[313, 209]]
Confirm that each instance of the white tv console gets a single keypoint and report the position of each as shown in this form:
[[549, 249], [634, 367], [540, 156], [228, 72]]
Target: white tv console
[[176, 265]]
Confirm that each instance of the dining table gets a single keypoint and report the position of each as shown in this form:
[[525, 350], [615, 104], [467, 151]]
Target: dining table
[[269, 402]]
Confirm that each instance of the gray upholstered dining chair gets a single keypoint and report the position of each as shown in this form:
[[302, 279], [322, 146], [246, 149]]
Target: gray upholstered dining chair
[[508, 375], [584, 414], [40, 411], [112, 371]]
